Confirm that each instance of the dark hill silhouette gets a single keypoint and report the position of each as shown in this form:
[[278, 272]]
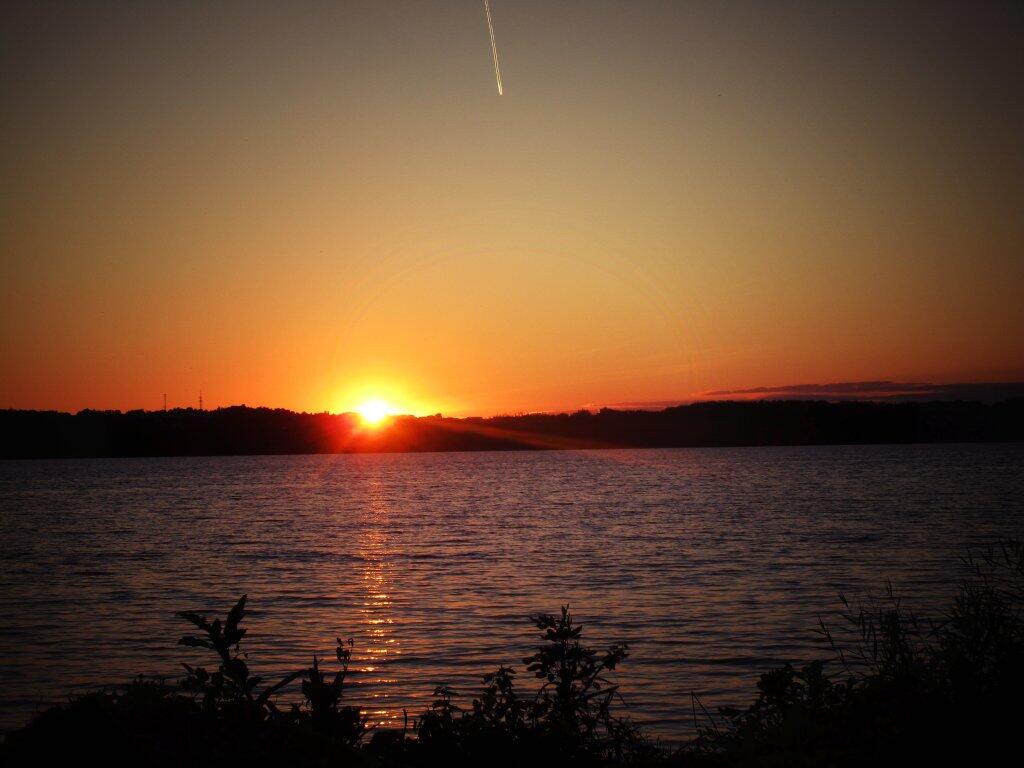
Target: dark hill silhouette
[[242, 430]]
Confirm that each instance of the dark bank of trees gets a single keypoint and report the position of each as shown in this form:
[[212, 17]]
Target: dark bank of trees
[[241, 430], [889, 691]]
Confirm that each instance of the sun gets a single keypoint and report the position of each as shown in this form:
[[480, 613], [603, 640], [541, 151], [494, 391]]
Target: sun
[[373, 412]]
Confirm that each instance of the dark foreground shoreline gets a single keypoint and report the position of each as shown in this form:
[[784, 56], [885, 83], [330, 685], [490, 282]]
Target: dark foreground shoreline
[[888, 690], [240, 430]]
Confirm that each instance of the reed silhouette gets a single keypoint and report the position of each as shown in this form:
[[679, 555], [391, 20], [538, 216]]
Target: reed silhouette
[[904, 691], [893, 690]]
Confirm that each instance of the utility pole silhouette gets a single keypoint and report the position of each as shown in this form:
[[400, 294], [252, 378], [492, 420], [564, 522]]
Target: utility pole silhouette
[[200, 400], [165, 401]]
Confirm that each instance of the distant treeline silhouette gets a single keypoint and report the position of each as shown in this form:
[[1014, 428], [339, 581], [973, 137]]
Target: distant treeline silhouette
[[240, 430]]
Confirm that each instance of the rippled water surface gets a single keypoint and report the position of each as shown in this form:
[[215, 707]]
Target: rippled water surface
[[712, 563]]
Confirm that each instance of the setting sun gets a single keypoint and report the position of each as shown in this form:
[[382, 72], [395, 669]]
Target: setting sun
[[373, 412]]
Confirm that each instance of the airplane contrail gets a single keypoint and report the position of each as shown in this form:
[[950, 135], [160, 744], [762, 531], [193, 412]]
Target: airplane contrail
[[494, 47]]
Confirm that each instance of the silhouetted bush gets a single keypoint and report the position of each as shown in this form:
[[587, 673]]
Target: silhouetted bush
[[904, 691], [570, 718], [899, 691], [231, 690]]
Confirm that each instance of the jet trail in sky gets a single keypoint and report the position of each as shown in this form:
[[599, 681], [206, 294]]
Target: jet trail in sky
[[494, 46]]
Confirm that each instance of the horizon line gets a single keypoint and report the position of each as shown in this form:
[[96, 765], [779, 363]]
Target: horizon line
[[878, 391]]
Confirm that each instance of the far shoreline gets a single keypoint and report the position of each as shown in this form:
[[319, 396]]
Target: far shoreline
[[245, 431]]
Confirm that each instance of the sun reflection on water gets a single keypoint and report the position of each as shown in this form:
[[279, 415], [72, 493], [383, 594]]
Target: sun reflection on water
[[380, 644]]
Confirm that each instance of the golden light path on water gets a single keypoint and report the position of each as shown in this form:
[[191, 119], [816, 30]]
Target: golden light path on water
[[381, 643]]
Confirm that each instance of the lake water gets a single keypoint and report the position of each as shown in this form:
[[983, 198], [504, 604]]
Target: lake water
[[714, 564]]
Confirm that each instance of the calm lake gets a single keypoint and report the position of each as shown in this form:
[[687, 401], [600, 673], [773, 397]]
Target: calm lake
[[713, 564]]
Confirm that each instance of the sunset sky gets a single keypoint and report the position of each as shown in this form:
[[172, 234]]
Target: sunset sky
[[308, 204]]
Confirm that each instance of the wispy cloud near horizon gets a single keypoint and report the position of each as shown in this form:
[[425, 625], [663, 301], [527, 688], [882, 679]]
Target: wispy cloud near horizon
[[898, 391]]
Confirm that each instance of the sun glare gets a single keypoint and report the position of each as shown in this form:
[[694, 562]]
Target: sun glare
[[373, 412]]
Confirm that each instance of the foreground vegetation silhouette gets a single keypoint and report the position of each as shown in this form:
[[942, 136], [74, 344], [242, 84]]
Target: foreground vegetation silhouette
[[895, 691]]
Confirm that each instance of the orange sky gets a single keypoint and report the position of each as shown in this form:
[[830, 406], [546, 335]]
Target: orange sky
[[308, 204]]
